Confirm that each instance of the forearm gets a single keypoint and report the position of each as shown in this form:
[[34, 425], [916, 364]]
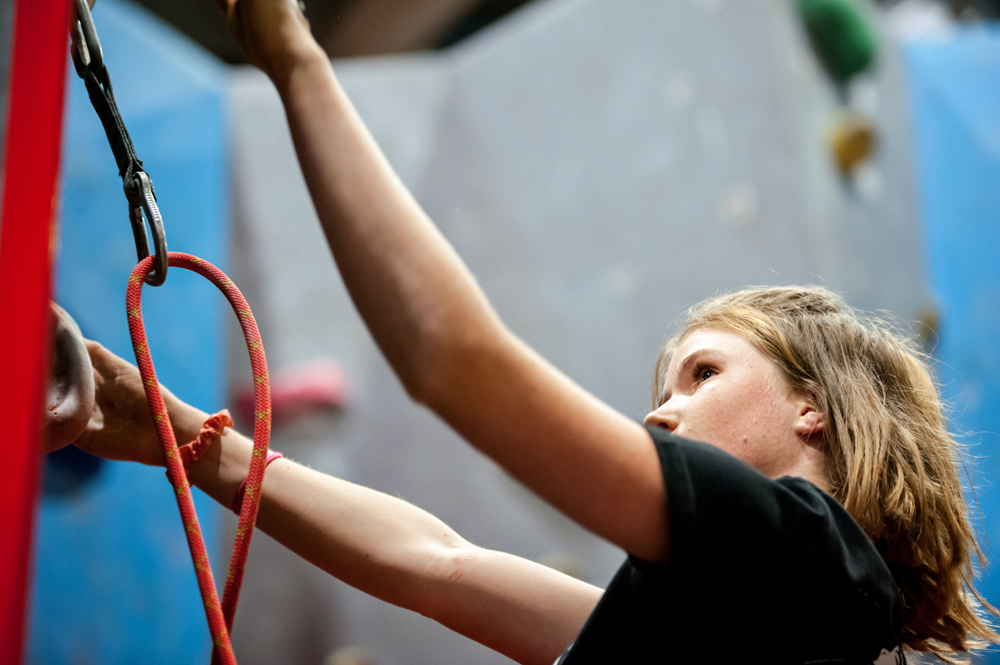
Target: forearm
[[377, 543], [419, 301]]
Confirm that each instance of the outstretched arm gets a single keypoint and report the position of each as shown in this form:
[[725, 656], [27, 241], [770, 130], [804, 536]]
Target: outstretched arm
[[432, 321], [379, 544], [401, 554]]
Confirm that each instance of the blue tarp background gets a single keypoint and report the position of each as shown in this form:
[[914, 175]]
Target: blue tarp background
[[113, 579], [955, 90]]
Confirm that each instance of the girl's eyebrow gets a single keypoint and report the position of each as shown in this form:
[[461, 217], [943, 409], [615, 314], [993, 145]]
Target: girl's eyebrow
[[689, 360], [683, 369]]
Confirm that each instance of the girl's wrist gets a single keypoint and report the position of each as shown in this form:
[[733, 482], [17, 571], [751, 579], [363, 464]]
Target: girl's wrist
[[223, 467], [185, 419], [305, 58]]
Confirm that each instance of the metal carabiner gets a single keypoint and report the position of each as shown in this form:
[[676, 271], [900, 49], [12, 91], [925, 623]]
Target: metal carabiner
[[142, 199], [86, 51]]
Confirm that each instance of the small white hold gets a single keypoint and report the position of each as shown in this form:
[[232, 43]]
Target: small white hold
[[622, 281], [910, 20], [863, 96], [867, 180], [738, 205], [680, 90]]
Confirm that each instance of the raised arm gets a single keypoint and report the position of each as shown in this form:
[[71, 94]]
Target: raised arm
[[432, 321]]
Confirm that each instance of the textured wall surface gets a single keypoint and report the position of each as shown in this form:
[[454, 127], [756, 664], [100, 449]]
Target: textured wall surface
[[600, 165]]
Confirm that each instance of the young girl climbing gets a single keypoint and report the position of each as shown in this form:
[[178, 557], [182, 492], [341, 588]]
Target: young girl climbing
[[792, 498]]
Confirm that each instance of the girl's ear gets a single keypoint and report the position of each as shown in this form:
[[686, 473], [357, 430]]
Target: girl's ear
[[810, 422]]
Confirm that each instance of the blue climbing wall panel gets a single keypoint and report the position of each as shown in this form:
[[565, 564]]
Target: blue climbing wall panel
[[955, 90], [113, 580]]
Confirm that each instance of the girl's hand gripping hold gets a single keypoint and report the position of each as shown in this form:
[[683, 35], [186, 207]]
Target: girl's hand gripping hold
[[121, 426]]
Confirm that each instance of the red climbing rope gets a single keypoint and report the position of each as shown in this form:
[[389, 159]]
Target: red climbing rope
[[220, 618]]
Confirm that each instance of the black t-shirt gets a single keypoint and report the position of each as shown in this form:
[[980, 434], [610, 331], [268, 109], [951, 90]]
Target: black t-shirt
[[760, 570]]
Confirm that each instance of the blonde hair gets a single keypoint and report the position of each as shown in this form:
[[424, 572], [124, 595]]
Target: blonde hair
[[892, 460]]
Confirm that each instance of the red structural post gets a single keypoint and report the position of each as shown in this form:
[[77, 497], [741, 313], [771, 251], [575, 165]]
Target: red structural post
[[31, 166]]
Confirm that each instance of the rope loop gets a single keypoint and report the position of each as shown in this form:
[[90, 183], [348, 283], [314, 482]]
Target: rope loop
[[220, 617]]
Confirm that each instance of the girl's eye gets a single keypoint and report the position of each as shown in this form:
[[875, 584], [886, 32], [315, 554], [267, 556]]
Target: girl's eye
[[705, 373]]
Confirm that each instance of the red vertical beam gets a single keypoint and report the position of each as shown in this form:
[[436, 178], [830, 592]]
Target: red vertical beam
[[31, 165]]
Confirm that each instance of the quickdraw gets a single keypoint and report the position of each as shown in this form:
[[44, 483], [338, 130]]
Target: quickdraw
[[88, 58]]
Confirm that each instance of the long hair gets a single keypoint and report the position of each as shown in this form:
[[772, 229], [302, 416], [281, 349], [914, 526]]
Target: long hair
[[892, 460]]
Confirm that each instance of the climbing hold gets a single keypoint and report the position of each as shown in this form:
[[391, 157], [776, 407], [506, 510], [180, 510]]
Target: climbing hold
[[310, 387], [69, 397], [840, 36], [738, 205], [852, 140]]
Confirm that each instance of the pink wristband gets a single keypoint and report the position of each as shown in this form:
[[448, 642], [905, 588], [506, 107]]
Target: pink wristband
[[238, 499]]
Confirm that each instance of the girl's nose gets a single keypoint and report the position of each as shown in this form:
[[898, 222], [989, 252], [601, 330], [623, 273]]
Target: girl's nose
[[662, 418]]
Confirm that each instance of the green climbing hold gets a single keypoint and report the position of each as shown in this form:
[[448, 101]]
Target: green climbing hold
[[843, 41]]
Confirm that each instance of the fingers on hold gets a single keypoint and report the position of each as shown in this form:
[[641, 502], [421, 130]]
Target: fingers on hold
[[100, 355], [95, 349]]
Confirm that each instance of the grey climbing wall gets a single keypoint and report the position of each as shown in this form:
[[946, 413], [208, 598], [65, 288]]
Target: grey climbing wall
[[600, 165]]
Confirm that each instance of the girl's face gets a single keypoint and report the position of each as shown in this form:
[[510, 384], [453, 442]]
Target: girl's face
[[721, 390]]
